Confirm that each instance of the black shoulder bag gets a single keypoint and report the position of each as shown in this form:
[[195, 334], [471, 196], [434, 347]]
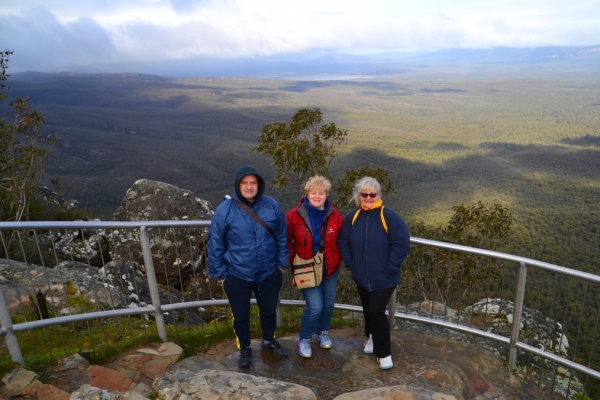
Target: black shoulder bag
[[256, 217]]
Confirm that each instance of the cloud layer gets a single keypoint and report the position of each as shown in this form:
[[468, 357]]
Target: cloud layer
[[78, 35]]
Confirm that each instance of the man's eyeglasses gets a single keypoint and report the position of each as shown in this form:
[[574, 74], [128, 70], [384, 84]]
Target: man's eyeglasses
[[371, 195]]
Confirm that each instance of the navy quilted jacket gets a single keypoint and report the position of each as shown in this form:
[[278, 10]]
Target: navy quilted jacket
[[374, 256]]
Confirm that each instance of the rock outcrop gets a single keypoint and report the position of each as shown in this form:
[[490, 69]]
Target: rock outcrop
[[73, 288], [536, 329], [177, 253], [15, 295], [88, 246], [210, 384], [135, 285], [58, 285], [495, 315]]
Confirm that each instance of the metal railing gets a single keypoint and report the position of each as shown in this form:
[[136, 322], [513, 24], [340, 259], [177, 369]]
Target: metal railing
[[533, 310]]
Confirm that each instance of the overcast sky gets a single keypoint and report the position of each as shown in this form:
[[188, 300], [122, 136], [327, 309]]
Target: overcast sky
[[62, 35]]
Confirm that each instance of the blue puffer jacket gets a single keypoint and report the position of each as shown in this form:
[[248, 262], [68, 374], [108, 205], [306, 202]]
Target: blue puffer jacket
[[239, 245], [374, 256]]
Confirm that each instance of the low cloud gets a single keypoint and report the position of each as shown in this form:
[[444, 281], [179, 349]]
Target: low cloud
[[66, 34], [42, 43]]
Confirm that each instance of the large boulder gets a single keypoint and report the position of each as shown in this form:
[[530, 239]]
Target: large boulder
[[178, 254], [205, 384]]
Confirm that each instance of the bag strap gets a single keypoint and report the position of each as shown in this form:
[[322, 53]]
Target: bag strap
[[253, 215], [323, 235], [381, 215]]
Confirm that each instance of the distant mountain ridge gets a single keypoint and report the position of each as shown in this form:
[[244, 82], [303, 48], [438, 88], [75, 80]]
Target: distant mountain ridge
[[327, 65], [491, 55], [510, 55]]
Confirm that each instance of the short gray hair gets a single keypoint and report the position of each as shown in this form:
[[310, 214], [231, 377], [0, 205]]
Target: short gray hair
[[365, 183]]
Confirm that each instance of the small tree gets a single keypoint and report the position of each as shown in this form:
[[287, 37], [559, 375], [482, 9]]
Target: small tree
[[451, 277], [22, 152], [301, 147], [479, 225]]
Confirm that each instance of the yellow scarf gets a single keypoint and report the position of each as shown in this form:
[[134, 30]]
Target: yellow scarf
[[376, 205]]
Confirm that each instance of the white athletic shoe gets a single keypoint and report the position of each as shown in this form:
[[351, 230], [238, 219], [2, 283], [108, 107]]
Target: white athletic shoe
[[304, 348], [386, 362], [369, 345], [324, 340]]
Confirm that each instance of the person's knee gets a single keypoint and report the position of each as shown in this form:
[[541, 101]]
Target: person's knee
[[241, 318], [377, 313], [267, 311], [313, 311], [328, 304]]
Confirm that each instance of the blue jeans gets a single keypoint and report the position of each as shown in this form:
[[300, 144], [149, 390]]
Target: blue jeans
[[319, 307]]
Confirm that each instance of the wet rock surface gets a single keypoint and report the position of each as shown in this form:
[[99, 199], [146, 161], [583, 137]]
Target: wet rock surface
[[429, 363]]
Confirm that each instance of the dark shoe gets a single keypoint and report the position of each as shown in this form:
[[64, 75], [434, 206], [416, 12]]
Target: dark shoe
[[245, 357], [274, 347]]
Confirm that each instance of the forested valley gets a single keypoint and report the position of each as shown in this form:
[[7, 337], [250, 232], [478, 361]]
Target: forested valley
[[528, 139]]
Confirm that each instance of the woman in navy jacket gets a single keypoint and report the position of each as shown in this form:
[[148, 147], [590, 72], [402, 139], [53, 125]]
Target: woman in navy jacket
[[374, 241]]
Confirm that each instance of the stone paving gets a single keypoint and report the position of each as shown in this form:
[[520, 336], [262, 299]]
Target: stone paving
[[130, 373], [427, 365]]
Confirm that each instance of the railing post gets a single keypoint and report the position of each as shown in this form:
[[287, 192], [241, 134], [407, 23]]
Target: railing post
[[518, 311], [392, 309], [151, 275], [11, 339]]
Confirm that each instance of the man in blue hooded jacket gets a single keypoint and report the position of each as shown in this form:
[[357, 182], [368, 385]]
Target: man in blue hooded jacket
[[249, 257]]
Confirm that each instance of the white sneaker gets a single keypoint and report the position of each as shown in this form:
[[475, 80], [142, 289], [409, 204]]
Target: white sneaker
[[304, 348], [369, 345], [386, 362]]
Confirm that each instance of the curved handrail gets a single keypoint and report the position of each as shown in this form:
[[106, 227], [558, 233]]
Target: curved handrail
[[507, 257], [8, 329]]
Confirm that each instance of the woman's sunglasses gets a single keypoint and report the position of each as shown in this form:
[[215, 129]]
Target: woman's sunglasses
[[371, 195]]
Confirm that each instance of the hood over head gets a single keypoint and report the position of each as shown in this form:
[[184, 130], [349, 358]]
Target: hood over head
[[242, 172]]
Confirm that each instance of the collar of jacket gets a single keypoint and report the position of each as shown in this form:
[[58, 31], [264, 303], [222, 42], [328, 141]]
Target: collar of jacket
[[303, 211], [376, 205]]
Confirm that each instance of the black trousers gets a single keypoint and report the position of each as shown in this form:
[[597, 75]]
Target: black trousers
[[239, 293], [376, 322]]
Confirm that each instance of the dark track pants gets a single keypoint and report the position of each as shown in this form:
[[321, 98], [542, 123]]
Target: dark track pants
[[239, 293], [376, 322]]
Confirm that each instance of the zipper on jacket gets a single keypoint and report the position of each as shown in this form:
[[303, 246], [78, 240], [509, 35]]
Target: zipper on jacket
[[367, 265]]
